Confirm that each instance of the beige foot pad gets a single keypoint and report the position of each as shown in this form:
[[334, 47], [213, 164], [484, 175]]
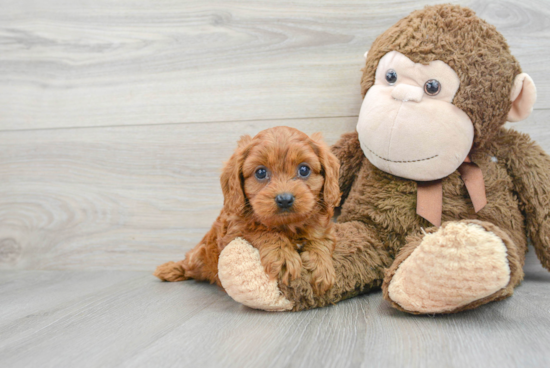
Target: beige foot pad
[[455, 266], [243, 277]]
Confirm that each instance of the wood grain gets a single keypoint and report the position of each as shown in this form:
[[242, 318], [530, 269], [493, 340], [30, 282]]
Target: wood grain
[[130, 319], [117, 198], [127, 197], [109, 63]]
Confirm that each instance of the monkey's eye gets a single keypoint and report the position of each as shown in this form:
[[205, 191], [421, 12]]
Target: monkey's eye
[[261, 173], [391, 76], [304, 171], [432, 87]]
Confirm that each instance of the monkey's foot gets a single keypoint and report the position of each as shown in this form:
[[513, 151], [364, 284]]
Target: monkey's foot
[[244, 278], [460, 266]]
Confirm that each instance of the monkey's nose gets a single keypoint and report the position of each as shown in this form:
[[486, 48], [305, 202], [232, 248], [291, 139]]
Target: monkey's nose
[[284, 200], [406, 92]]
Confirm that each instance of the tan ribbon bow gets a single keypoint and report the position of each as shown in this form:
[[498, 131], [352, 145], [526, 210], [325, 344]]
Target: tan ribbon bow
[[429, 196]]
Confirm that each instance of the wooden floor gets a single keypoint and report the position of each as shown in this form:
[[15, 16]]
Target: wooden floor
[[115, 118], [129, 319]]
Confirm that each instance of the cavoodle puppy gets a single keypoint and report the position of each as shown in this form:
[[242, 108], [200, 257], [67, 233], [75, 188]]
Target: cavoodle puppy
[[280, 189]]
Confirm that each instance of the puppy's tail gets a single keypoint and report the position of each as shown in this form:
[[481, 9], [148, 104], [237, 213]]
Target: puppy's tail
[[171, 271]]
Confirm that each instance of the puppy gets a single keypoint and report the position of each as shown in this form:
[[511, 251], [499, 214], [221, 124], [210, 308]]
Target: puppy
[[280, 189]]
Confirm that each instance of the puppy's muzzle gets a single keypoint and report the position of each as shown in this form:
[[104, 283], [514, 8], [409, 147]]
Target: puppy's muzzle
[[284, 201]]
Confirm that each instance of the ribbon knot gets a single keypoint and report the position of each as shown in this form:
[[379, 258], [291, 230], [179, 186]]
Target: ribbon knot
[[429, 195]]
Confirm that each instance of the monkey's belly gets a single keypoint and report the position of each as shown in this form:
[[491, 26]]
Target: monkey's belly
[[388, 204]]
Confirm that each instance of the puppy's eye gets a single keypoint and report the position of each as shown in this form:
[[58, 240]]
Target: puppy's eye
[[391, 76], [260, 173], [304, 171], [432, 87]]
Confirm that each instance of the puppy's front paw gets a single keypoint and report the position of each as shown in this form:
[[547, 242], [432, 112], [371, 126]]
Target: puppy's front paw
[[284, 264], [322, 271]]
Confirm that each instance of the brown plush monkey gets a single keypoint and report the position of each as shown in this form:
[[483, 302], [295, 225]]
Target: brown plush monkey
[[439, 197]]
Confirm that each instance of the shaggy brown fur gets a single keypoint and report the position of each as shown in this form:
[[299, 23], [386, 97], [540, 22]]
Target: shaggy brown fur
[[378, 226], [287, 238], [484, 93]]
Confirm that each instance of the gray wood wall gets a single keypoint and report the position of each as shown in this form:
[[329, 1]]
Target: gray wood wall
[[116, 116]]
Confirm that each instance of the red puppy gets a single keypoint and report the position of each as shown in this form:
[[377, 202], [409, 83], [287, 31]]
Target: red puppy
[[280, 189]]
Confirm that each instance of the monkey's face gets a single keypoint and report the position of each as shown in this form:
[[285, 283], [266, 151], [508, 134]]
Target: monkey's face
[[408, 125]]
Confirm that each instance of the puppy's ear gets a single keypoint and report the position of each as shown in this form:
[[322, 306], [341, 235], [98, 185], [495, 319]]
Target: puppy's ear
[[244, 141], [231, 178], [331, 170]]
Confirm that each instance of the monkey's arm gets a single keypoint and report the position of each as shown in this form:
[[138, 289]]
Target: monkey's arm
[[349, 153], [529, 167]]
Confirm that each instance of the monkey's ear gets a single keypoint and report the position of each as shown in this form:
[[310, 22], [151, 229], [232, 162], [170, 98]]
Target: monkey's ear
[[365, 55], [523, 97], [331, 170], [231, 178]]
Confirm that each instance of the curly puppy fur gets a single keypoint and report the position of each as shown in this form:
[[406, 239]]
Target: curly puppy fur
[[287, 238]]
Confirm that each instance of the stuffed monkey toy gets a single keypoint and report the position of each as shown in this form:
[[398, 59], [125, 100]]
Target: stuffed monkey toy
[[438, 197]]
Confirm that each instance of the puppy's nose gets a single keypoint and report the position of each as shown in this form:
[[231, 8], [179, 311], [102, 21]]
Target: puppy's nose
[[284, 200]]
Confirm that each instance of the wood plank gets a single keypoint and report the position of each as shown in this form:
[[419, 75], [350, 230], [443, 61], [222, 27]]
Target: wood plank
[[130, 319], [107, 63], [117, 198], [30, 301], [99, 328]]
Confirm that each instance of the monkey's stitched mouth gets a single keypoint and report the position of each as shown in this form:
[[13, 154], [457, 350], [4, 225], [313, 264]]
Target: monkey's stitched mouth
[[401, 162]]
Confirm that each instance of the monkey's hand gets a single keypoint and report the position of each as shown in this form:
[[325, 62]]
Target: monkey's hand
[[243, 277]]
